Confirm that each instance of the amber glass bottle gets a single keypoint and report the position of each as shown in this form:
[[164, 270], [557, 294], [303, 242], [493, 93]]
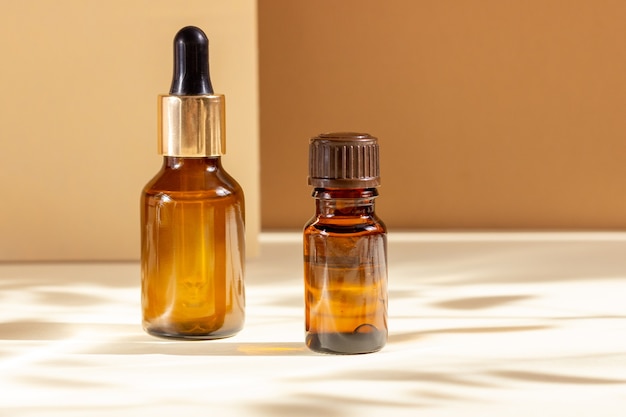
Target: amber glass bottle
[[345, 248], [192, 211]]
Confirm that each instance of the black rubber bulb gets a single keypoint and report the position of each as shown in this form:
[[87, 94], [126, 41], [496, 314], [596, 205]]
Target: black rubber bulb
[[191, 63]]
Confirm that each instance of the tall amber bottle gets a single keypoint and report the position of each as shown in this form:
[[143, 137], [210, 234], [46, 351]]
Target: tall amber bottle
[[345, 248], [192, 211]]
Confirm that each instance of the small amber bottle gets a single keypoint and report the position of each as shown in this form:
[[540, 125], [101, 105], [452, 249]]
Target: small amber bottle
[[345, 248], [192, 211]]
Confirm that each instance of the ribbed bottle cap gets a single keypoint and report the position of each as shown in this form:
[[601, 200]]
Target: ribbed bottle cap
[[344, 160]]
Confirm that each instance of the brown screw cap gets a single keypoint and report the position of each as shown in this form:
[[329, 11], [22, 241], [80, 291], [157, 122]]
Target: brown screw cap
[[344, 160]]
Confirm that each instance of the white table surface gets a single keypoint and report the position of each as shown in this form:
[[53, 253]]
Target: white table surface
[[481, 324]]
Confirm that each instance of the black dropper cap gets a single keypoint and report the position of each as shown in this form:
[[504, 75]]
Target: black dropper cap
[[191, 63], [192, 118]]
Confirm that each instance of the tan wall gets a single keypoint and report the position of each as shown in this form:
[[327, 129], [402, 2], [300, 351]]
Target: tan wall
[[78, 117], [490, 114]]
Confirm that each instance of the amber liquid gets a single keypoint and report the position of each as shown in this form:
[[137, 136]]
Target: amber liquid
[[192, 254], [345, 269]]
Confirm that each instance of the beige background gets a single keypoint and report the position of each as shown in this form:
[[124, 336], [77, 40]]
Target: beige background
[[79, 81], [490, 114]]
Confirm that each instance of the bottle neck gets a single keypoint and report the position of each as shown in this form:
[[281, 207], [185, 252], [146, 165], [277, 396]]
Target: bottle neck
[[334, 202], [183, 164]]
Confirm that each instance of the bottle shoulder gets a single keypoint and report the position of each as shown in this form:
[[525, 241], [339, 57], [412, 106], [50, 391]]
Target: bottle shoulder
[[365, 225], [195, 184]]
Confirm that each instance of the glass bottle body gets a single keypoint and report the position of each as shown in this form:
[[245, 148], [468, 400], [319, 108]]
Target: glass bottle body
[[192, 251], [345, 272]]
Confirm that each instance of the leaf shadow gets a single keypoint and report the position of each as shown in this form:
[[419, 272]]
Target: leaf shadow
[[405, 337], [476, 303], [550, 378]]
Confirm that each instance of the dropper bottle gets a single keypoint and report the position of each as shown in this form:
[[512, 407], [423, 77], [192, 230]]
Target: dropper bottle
[[192, 211]]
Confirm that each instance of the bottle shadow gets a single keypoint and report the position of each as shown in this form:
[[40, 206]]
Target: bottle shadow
[[127, 339], [201, 348]]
